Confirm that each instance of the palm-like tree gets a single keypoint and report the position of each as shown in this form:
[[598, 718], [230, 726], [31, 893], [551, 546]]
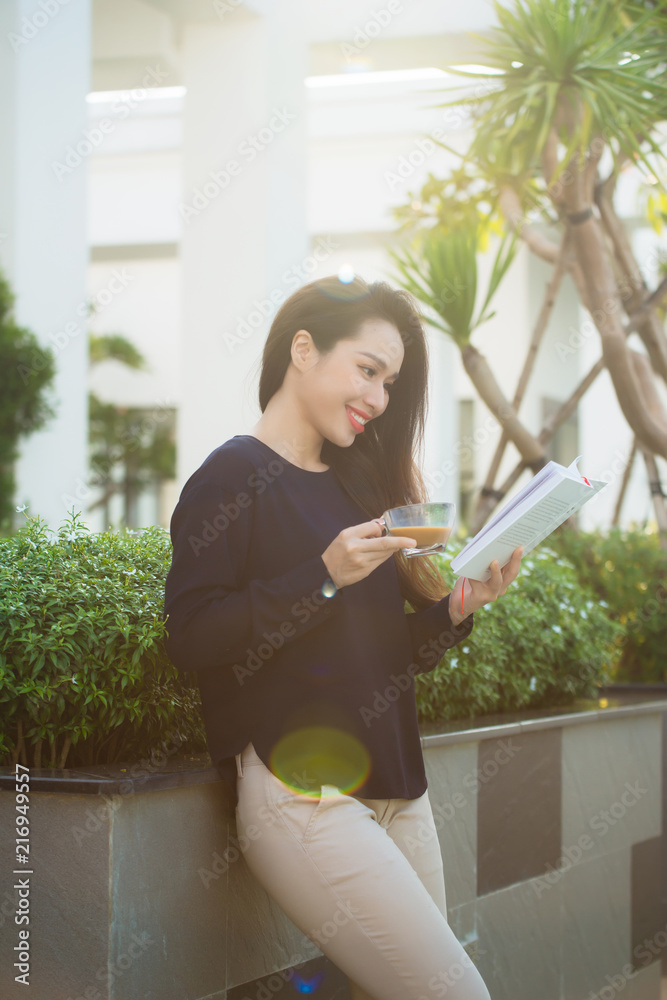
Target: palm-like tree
[[580, 80], [579, 95], [122, 438], [440, 269]]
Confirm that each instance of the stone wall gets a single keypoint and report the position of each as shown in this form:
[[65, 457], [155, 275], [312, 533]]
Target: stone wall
[[551, 832]]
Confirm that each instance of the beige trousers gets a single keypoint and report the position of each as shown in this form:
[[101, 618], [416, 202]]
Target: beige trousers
[[362, 878]]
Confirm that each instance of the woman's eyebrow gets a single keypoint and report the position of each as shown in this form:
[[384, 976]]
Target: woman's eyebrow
[[379, 362]]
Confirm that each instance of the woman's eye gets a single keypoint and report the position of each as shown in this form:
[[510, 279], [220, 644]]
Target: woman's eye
[[365, 368]]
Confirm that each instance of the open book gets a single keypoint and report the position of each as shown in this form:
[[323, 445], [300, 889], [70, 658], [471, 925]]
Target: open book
[[546, 501]]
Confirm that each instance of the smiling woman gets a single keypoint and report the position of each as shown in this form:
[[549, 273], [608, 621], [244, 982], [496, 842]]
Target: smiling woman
[[335, 370], [291, 610]]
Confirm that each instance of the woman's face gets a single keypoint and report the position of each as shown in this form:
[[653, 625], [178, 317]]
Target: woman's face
[[348, 380]]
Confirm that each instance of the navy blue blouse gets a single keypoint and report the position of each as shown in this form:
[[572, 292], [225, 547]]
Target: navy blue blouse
[[319, 679]]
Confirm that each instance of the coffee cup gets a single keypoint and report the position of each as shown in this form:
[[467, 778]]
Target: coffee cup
[[430, 524]]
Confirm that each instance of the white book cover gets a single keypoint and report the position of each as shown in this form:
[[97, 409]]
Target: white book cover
[[549, 498]]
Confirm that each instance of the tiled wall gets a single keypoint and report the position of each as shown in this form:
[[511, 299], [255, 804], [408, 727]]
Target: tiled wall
[[555, 863], [552, 842]]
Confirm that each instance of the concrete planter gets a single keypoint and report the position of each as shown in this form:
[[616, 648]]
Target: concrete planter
[[551, 830]]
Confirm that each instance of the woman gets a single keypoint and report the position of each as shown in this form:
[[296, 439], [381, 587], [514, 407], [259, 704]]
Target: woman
[[283, 597]]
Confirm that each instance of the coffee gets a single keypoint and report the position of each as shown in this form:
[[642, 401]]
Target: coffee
[[425, 535]]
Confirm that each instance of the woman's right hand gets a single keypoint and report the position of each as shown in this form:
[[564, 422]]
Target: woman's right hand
[[359, 549]]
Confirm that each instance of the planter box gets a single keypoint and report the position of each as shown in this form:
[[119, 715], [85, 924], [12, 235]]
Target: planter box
[[551, 830]]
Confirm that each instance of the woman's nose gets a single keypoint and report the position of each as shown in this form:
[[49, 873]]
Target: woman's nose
[[375, 400]]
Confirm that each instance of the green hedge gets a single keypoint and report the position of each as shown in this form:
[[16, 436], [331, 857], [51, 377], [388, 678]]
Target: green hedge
[[546, 642], [628, 571], [85, 678]]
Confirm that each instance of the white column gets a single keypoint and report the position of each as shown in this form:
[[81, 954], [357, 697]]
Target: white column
[[441, 464], [44, 79], [243, 208]]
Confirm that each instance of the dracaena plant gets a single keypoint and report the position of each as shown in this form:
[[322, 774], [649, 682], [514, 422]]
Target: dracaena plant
[[575, 93], [439, 267]]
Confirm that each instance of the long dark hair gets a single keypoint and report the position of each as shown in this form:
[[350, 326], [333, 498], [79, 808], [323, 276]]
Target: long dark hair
[[378, 470]]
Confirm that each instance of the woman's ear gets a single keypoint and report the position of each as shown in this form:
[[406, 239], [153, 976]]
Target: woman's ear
[[303, 349]]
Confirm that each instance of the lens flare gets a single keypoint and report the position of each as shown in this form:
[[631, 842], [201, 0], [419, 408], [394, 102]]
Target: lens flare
[[312, 756], [345, 286], [309, 985]]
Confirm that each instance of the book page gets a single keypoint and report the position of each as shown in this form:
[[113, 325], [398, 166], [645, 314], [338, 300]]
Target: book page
[[535, 513], [522, 532], [530, 519], [541, 481]]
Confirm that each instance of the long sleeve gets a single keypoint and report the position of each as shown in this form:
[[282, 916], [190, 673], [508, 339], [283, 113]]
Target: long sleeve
[[432, 633], [248, 589], [213, 620]]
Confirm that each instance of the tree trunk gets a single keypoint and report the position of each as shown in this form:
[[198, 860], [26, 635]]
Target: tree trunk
[[644, 375], [490, 392], [493, 497], [624, 484], [63, 756], [603, 301], [487, 496], [632, 287]]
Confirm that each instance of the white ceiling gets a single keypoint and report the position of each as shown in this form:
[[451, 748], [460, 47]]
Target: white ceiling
[[129, 35]]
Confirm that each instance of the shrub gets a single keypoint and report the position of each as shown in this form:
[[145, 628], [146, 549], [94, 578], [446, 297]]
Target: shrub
[[546, 642], [27, 374], [82, 659], [83, 667], [628, 571]]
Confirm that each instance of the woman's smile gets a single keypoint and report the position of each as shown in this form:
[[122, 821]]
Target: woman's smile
[[356, 423]]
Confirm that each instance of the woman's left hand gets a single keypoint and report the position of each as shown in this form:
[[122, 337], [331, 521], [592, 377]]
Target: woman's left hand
[[474, 594]]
